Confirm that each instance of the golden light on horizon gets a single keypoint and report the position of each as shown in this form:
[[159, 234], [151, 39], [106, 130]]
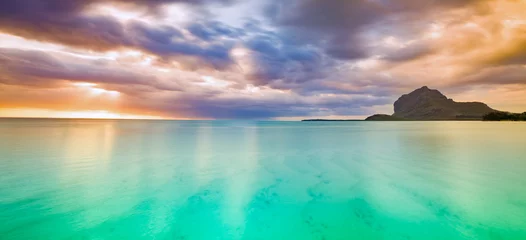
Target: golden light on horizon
[[98, 91], [87, 101], [85, 114], [93, 90], [164, 58], [84, 84]]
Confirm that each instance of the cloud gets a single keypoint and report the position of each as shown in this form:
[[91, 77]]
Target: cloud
[[514, 53], [337, 32], [211, 30], [276, 60], [342, 27], [36, 68], [38, 79], [169, 42], [64, 22], [339, 26], [301, 58], [408, 53], [500, 75], [251, 107]]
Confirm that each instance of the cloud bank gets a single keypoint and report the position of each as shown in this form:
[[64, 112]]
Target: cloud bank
[[255, 59]]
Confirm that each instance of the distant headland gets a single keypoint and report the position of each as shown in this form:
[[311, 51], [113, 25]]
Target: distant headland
[[330, 120], [425, 104]]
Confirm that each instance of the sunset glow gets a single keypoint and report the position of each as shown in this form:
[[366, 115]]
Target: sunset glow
[[263, 119], [46, 113], [215, 59], [93, 90]]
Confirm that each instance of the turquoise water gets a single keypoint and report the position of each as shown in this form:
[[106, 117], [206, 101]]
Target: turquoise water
[[109, 179]]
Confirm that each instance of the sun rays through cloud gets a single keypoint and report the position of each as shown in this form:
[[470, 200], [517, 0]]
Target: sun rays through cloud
[[215, 59]]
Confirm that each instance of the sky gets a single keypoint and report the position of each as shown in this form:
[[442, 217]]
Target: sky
[[255, 59]]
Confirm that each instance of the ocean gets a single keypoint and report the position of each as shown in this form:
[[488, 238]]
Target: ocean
[[139, 179]]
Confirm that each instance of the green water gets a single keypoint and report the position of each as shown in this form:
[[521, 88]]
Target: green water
[[108, 179]]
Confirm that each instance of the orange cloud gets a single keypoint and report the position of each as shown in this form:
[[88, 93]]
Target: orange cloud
[[293, 63]]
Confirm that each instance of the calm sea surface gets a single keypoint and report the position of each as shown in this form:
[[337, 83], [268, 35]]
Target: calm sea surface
[[110, 179]]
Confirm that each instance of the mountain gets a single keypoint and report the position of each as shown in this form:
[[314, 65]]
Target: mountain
[[430, 104]]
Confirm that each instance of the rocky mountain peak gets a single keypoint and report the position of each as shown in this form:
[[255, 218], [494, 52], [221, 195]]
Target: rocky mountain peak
[[430, 104]]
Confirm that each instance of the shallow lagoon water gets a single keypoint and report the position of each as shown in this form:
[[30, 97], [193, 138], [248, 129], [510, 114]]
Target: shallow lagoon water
[[124, 179]]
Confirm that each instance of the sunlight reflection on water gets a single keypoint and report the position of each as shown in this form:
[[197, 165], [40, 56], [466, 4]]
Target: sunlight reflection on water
[[111, 179]]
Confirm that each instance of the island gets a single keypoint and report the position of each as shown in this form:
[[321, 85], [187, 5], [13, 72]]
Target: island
[[330, 120], [425, 104], [384, 117]]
